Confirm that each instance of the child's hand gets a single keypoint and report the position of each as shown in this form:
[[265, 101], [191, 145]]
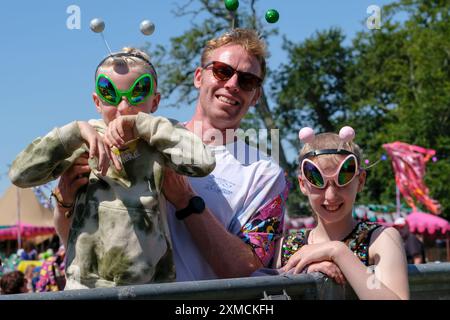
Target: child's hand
[[312, 253], [120, 131], [328, 268], [97, 148]]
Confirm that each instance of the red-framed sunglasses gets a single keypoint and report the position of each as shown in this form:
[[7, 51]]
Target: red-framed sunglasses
[[347, 171], [223, 72]]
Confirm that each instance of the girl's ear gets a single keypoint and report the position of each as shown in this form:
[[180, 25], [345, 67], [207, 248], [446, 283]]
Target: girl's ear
[[361, 180], [301, 183]]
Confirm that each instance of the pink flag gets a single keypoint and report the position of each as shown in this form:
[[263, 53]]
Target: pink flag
[[409, 163]]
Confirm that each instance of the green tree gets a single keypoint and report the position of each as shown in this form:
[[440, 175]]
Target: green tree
[[389, 84], [400, 83]]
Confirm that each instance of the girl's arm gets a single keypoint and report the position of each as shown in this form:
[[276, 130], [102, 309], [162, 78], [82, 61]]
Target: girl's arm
[[390, 277], [387, 278]]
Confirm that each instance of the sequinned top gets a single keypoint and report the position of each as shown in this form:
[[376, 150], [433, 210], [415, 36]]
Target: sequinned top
[[358, 241]]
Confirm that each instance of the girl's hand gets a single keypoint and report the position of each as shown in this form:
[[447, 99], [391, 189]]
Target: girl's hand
[[97, 148], [312, 253], [120, 131], [328, 268]]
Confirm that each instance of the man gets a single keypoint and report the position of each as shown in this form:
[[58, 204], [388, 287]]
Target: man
[[414, 248], [223, 225]]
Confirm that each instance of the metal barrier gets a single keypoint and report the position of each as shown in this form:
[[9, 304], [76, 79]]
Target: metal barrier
[[427, 281]]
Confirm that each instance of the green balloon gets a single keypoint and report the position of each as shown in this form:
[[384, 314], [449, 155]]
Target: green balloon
[[272, 16], [231, 5]]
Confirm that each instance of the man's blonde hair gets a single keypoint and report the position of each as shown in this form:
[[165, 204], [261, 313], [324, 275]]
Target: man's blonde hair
[[246, 38]]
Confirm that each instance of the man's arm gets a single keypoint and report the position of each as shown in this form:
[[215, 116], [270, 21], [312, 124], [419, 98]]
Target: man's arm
[[228, 255]]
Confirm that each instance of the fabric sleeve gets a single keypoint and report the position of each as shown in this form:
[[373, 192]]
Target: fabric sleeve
[[183, 150], [414, 246], [46, 158], [266, 225]]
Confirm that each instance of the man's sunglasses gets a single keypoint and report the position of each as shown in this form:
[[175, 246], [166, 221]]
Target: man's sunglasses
[[223, 72], [138, 93], [347, 171]]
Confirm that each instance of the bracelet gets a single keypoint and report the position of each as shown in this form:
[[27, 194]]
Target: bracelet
[[57, 195]]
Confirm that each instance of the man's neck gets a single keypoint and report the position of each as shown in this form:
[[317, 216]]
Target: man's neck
[[210, 135]]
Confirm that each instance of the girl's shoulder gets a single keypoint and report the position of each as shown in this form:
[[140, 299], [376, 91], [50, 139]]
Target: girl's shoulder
[[360, 239], [293, 242]]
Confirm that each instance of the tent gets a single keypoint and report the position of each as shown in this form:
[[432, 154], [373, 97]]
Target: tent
[[21, 210]]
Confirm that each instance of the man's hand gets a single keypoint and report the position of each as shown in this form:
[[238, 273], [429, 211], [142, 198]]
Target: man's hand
[[97, 147], [120, 131], [69, 184], [176, 189], [74, 178]]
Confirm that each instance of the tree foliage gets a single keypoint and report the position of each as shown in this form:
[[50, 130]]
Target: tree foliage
[[391, 84]]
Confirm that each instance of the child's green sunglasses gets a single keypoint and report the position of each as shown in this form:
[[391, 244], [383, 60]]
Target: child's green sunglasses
[[138, 93]]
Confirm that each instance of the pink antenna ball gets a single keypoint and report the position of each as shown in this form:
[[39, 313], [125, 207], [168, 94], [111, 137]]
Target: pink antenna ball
[[347, 134], [306, 135]]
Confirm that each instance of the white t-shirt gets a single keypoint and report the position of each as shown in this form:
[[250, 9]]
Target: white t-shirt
[[243, 180]]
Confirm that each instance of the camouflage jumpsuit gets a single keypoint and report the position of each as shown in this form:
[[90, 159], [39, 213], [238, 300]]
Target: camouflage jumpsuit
[[119, 234]]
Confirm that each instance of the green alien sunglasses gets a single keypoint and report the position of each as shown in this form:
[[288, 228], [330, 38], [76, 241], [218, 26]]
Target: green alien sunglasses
[[138, 93]]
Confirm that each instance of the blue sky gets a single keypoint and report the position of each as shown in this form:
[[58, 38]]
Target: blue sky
[[47, 69]]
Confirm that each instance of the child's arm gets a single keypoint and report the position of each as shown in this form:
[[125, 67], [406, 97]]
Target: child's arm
[[46, 158], [390, 279], [183, 150]]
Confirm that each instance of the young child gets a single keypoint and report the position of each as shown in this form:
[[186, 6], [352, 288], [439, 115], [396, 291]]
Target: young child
[[370, 257], [119, 234]]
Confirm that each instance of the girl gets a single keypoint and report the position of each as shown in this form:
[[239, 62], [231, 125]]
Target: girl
[[370, 257]]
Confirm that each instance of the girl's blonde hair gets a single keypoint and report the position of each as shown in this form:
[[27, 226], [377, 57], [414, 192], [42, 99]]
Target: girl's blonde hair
[[246, 38], [329, 140], [132, 57]]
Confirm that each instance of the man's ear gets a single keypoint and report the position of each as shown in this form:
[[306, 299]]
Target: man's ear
[[97, 102], [155, 102], [361, 180], [198, 77], [301, 183], [258, 93]]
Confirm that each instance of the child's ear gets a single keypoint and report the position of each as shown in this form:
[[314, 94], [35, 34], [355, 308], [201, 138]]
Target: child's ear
[[301, 183], [96, 102], [155, 102], [361, 180], [198, 77]]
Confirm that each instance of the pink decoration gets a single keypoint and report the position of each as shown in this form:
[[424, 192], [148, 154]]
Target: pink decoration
[[306, 135], [408, 162], [347, 134], [420, 222], [26, 231], [366, 161]]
